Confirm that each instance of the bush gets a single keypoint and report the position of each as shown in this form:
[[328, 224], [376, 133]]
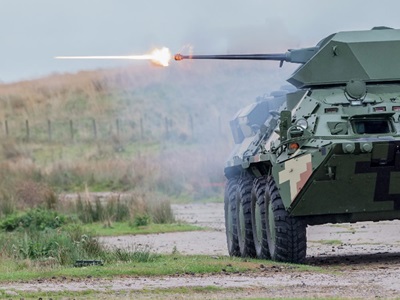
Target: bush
[[161, 212], [32, 194], [141, 220], [35, 219], [65, 246], [137, 207], [7, 202], [113, 210], [133, 254], [117, 210]]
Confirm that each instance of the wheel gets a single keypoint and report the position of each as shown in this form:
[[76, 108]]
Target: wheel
[[243, 215], [230, 216], [258, 219], [286, 235]]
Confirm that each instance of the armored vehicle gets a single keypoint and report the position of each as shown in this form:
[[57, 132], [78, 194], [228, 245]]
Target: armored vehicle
[[329, 154]]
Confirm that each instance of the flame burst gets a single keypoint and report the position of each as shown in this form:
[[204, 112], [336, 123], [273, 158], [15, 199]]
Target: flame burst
[[160, 57]]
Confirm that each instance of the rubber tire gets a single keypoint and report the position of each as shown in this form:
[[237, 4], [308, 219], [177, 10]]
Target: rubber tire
[[230, 216], [243, 217], [287, 240], [258, 218]]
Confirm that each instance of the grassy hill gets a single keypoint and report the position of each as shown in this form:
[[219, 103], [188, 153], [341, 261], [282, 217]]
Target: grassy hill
[[161, 131]]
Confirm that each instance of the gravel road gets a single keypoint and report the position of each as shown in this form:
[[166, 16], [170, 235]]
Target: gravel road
[[357, 260], [325, 242]]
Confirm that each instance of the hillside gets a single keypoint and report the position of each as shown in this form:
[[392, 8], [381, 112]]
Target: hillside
[[203, 89], [163, 130]]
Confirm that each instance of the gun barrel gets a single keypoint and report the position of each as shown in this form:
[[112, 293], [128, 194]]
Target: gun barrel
[[297, 56], [276, 56]]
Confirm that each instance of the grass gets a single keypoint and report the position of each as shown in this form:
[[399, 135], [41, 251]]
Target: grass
[[44, 156], [298, 298], [186, 164], [154, 293], [188, 171], [329, 242], [207, 292], [160, 265], [124, 228]]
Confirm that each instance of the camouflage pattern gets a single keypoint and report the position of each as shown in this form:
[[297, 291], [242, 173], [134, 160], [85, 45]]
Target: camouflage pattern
[[295, 172], [336, 170], [326, 152], [368, 55]]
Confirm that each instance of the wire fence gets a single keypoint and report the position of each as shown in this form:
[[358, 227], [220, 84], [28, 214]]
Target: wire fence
[[89, 129]]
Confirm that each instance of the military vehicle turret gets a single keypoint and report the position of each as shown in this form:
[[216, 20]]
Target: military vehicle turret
[[329, 154]]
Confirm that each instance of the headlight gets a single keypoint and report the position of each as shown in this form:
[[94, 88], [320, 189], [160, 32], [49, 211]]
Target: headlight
[[302, 123]]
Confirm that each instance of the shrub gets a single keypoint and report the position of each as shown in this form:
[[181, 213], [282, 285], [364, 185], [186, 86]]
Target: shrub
[[137, 207], [35, 219], [132, 254], [89, 211], [64, 246], [117, 209], [161, 211], [32, 194], [14, 151], [7, 202], [141, 220]]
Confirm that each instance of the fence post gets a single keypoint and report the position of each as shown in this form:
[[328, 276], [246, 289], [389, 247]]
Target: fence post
[[71, 127], [27, 130], [49, 131], [94, 129], [6, 126]]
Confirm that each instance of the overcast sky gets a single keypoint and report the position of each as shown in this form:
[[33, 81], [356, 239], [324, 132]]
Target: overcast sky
[[32, 32]]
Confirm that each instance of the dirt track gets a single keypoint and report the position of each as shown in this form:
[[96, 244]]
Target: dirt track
[[326, 242], [358, 261]]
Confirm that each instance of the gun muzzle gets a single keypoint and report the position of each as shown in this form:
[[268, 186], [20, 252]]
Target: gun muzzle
[[178, 57]]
